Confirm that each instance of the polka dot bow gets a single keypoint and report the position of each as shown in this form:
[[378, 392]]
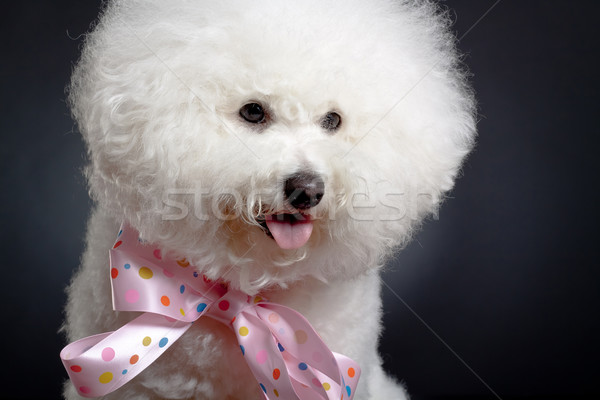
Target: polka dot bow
[[287, 357]]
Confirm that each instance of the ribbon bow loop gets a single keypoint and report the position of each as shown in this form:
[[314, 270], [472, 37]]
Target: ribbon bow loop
[[286, 355]]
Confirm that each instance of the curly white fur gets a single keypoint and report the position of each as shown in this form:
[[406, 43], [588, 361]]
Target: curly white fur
[[156, 96]]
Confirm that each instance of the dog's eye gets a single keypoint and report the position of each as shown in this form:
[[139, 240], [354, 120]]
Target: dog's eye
[[253, 113], [331, 121]]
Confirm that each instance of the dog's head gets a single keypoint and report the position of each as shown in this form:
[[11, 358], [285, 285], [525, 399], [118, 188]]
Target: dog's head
[[268, 141]]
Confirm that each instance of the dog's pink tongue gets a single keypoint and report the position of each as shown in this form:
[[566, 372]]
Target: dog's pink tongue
[[290, 235]]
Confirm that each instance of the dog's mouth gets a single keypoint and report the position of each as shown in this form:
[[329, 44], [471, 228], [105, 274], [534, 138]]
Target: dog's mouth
[[290, 231]]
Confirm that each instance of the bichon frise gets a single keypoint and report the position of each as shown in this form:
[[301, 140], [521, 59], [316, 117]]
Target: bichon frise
[[285, 150]]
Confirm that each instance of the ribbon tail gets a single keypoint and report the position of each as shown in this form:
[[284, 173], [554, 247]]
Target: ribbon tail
[[350, 376], [100, 364], [263, 356], [311, 363]]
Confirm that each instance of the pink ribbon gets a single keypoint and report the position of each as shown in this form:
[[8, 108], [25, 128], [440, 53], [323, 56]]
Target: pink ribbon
[[287, 357]]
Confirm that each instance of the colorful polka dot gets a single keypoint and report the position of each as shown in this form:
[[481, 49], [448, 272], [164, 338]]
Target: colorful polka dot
[[273, 318], [302, 366], [117, 244], [316, 382], [201, 307], [123, 372], [146, 341], [106, 377], [145, 273], [275, 392], [326, 386], [348, 390], [224, 305], [257, 299], [351, 372], [84, 390], [134, 358], [183, 263], [165, 301], [281, 349], [157, 254], [195, 274], [168, 273], [132, 296], [108, 353], [126, 266], [75, 368], [244, 331], [114, 273], [163, 342], [261, 356], [243, 350], [262, 387], [276, 373], [181, 289], [300, 336], [181, 311]]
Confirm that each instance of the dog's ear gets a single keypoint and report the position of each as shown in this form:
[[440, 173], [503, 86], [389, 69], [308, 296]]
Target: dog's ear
[[421, 115], [130, 97]]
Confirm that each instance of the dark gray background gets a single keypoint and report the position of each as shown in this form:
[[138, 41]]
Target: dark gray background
[[499, 295]]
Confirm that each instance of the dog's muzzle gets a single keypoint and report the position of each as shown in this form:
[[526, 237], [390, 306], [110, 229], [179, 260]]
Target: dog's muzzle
[[292, 230]]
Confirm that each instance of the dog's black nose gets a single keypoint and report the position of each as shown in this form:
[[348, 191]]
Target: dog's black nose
[[304, 190]]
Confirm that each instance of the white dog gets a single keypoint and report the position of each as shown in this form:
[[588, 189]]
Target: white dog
[[286, 149]]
